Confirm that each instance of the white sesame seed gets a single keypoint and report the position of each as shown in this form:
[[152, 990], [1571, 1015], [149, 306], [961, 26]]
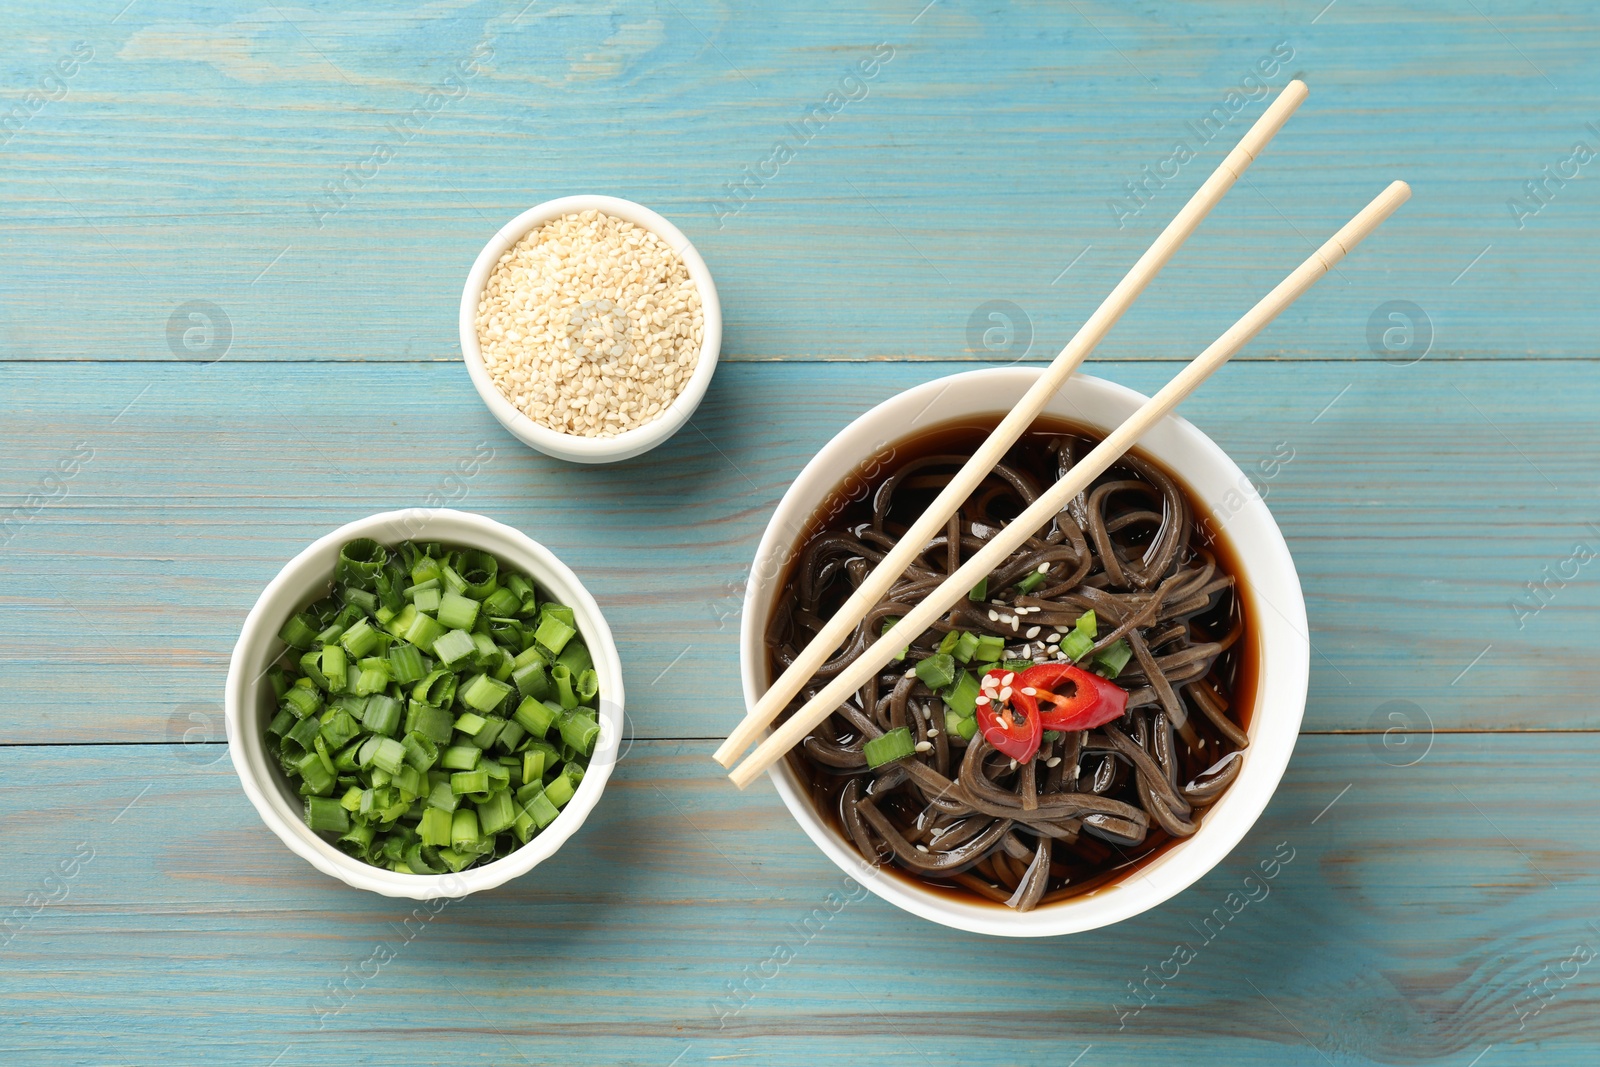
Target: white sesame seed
[[1007, 678], [1005, 693], [982, 702], [994, 616], [1044, 568], [922, 848], [1053, 761], [1033, 631], [1013, 622], [1013, 764], [933, 733], [924, 746], [1028, 691]]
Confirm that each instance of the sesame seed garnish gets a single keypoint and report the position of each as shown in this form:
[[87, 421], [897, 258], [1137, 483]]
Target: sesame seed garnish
[[1005, 693], [922, 848], [1043, 568], [1013, 765], [933, 733], [1007, 678], [994, 616], [1029, 691], [1013, 621], [1033, 631], [924, 746], [1053, 761], [982, 702]]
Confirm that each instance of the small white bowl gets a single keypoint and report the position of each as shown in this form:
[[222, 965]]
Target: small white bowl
[[568, 446], [309, 576], [1268, 580]]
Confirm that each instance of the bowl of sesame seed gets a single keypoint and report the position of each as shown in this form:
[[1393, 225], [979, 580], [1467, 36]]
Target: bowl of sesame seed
[[591, 328]]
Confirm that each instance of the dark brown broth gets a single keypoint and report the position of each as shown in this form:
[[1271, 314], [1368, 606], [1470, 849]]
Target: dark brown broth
[[1091, 864]]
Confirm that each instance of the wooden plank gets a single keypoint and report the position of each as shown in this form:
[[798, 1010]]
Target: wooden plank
[[1416, 517], [189, 926], [187, 159]]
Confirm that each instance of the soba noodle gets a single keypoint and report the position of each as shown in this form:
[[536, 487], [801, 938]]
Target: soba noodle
[[957, 813]]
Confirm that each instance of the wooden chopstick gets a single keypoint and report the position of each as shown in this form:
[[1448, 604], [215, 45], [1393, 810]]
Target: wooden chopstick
[[915, 622], [872, 590]]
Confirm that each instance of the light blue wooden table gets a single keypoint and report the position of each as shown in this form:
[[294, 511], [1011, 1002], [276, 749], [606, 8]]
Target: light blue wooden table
[[284, 170]]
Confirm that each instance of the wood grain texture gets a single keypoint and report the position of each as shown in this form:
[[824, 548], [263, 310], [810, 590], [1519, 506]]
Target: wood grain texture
[[959, 209], [1414, 523], [186, 158], [620, 950]]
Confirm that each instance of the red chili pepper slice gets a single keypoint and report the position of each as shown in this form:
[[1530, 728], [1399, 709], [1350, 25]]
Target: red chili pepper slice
[[1066, 697], [1008, 724]]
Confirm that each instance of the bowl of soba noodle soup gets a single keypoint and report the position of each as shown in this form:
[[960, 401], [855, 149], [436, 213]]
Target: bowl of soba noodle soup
[[1097, 725]]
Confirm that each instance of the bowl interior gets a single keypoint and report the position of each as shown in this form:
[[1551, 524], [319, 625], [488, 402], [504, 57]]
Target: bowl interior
[[1268, 583], [570, 446], [309, 576]]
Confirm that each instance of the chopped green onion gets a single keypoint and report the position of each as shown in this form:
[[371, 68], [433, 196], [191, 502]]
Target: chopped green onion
[[565, 695], [588, 685], [461, 757], [947, 644], [405, 663], [436, 724], [464, 783], [497, 813], [962, 697], [438, 689], [937, 671], [575, 657], [502, 603], [541, 810], [966, 647], [381, 715], [390, 755], [464, 830], [1114, 657], [428, 600], [360, 561], [299, 632], [1076, 645], [579, 729], [484, 693], [1016, 664], [1087, 624], [327, 815], [535, 716], [967, 727], [989, 648], [470, 724], [530, 679], [894, 745], [424, 632], [1032, 581], [457, 612], [979, 591], [553, 633], [454, 646]]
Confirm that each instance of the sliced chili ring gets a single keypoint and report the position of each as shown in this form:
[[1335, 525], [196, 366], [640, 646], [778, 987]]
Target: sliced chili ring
[[1009, 724], [1066, 697]]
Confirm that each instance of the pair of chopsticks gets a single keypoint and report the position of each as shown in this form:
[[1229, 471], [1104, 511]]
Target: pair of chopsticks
[[914, 623]]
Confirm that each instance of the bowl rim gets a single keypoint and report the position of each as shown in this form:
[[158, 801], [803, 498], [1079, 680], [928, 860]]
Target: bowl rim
[[299, 579], [1282, 683], [571, 446]]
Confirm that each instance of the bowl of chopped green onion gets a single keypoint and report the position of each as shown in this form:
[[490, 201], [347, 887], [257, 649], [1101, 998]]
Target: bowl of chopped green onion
[[424, 703]]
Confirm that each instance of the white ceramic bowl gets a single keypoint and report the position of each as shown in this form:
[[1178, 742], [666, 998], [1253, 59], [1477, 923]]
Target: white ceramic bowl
[[1269, 581], [571, 446], [307, 577]]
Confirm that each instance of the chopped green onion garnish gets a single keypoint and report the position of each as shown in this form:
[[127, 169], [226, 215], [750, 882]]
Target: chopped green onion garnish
[[896, 744], [1087, 624], [979, 591], [937, 671], [1032, 581], [962, 697], [553, 633], [966, 647], [1076, 645], [1114, 657], [457, 612], [989, 648]]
